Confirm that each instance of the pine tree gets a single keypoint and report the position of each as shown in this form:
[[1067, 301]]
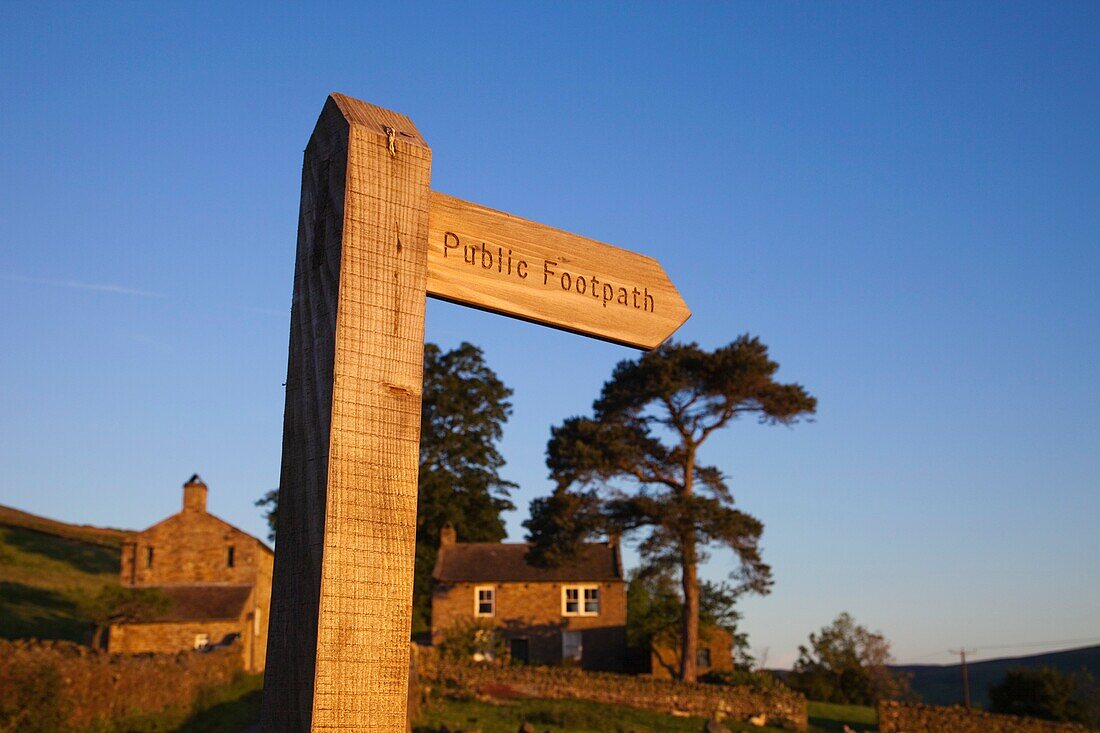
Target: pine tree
[[634, 466]]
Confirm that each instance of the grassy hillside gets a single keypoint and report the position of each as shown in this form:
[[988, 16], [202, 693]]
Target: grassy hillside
[[942, 685], [48, 569], [105, 536]]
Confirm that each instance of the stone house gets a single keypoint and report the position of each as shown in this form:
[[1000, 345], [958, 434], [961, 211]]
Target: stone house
[[714, 653], [573, 614], [216, 577]]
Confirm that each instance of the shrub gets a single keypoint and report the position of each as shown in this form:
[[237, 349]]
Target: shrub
[[30, 699], [472, 639], [760, 680], [847, 664], [1047, 693]]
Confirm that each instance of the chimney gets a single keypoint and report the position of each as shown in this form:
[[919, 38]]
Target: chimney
[[194, 495], [615, 544], [447, 535]]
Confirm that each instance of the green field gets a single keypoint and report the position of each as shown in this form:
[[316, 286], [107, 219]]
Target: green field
[[579, 716], [558, 716], [46, 578], [827, 716]]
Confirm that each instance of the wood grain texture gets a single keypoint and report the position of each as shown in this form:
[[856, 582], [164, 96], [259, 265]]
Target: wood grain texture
[[338, 654], [498, 262]]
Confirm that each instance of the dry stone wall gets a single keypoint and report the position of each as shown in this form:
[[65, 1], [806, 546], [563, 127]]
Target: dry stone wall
[[94, 685], [782, 706], [896, 717]]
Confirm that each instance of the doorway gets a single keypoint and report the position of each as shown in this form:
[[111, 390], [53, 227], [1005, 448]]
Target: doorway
[[519, 650]]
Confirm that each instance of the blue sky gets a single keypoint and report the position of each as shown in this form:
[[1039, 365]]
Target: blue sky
[[900, 199]]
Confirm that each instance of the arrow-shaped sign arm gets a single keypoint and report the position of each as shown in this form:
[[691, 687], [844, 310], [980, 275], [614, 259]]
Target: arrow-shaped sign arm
[[494, 261]]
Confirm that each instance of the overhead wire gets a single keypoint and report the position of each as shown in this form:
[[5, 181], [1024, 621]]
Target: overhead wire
[[1022, 645]]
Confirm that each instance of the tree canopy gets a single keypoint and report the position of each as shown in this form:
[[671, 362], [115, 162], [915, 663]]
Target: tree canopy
[[1049, 694], [464, 406], [633, 465], [846, 663], [463, 411], [653, 613]]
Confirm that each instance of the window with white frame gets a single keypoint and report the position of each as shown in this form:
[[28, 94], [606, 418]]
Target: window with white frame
[[485, 600], [580, 600]]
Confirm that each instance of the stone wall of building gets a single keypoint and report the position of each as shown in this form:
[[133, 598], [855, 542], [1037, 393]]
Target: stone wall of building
[[169, 637], [94, 685], [533, 611], [782, 706], [192, 547], [262, 609], [896, 717]]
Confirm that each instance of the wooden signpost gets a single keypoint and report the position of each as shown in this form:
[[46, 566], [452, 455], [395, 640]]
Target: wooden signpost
[[373, 242]]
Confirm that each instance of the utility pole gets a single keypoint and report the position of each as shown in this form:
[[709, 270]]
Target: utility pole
[[966, 679]]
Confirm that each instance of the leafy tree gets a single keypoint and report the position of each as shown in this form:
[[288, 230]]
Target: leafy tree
[[634, 465], [1049, 694], [270, 504], [115, 605], [463, 410], [653, 612], [847, 664]]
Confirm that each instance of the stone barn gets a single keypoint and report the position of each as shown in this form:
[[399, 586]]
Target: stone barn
[[574, 614], [714, 653], [217, 580]]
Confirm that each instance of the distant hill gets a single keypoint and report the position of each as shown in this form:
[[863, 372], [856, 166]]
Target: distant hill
[[104, 536], [942, 684], [47, 570]]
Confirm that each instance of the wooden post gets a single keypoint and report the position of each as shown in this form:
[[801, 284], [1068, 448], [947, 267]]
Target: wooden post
[[338, 651]]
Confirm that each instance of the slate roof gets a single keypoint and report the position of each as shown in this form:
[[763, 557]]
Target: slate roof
[[499, 562], [204, 602]]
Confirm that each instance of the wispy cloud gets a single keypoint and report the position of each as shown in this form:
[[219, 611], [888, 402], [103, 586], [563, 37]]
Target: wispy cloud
[[78, 285]]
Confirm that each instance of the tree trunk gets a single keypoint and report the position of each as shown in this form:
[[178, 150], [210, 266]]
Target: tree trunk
[[689, 624], [689, 636]]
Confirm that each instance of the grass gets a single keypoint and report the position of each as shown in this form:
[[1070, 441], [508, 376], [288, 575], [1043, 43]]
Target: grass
[[45, 580], [228, 709], [828, 716], [234, 708], [559, 716], [86, 533]]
